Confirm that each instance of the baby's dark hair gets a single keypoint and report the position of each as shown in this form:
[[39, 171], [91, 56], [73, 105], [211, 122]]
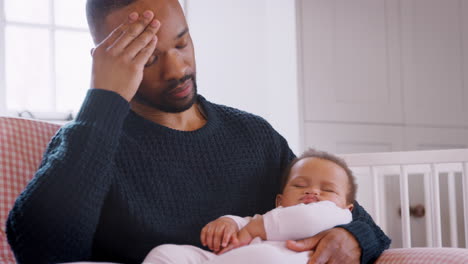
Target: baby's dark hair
[[312, 153]]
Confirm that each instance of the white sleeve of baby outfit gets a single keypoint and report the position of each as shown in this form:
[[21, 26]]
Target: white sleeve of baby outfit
[[240, 221], [304, 220]]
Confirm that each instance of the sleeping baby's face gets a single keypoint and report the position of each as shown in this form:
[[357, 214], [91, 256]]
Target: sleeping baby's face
[[313, 180]]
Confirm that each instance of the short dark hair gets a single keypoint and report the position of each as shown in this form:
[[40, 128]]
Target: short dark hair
[[97, 11], [312, 153]]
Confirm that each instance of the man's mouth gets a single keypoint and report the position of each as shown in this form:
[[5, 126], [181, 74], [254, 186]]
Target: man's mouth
[[182, 90]]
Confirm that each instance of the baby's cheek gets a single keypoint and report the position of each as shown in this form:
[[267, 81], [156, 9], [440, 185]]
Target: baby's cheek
[[290, 200], [340, 202]]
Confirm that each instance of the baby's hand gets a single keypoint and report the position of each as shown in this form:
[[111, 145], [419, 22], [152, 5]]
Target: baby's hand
[[244, 237], [219, 233]]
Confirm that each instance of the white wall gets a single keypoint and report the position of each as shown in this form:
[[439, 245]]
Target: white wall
[[385, 75], [246, 58], [2, 60]]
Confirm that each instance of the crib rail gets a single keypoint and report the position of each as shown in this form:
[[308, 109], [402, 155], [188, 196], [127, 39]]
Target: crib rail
[[430, 164]]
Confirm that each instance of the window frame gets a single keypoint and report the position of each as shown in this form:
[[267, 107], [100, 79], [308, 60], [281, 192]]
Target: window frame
[[52, 28]]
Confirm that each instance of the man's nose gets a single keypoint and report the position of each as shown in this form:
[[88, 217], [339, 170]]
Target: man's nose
[[175, 66]]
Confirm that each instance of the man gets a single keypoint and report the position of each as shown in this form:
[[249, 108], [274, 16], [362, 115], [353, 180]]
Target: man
[[117, 182]]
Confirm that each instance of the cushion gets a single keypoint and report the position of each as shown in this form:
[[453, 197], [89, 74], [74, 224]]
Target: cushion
[[23, 142], [424, 256]]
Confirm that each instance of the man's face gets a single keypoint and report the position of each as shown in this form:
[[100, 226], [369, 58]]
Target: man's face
[[312, 180], [169, 78]]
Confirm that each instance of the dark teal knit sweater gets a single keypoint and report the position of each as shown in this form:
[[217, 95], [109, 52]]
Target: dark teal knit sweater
[[113, 185]]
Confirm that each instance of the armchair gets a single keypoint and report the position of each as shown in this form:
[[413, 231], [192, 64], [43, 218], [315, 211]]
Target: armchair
[[23, 141]]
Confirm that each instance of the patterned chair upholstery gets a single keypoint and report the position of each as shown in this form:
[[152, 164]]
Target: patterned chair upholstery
[[424, 256], [23, 141]]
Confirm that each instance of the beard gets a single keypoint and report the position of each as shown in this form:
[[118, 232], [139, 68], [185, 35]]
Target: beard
[[164, 104]]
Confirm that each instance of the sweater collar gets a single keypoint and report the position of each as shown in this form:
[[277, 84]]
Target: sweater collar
[[139, 124]]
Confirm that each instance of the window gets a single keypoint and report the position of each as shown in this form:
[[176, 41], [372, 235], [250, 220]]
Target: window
[[45, 53], [45, 61]]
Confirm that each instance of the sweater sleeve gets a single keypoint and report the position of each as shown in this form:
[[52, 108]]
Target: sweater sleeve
[[370, 237], [55, 217]]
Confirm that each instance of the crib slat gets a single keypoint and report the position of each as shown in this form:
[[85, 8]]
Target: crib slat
[[377, 196], [405, 217], [437, 231], [452, 200], [465, 199], [429, 208]]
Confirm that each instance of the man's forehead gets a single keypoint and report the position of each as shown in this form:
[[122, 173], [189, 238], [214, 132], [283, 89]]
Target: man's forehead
[[168, 12]]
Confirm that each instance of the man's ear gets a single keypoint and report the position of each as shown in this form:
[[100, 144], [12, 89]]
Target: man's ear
[[350, 206], [279, 198]]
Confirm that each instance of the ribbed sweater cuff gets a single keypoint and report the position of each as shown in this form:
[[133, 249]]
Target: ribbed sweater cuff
[[103, 109], [370, 245]]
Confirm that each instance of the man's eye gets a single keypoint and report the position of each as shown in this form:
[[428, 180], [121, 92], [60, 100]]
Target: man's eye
[[152, 60]]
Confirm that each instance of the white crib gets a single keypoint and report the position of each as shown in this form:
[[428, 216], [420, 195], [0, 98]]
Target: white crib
[[372, 172]]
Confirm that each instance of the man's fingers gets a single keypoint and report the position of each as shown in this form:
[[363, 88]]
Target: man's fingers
[[337, 246], [117, 32], [132, 32], [297, 246], [304, 244], [145, 54], [321, 255], [143, 40]]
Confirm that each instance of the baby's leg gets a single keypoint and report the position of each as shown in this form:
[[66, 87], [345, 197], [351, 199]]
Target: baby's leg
[[261, 253], [177, 254]]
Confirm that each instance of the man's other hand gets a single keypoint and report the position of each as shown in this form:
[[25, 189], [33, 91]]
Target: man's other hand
[[331, 246]]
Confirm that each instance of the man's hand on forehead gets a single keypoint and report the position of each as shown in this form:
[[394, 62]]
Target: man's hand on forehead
[[119, 60]]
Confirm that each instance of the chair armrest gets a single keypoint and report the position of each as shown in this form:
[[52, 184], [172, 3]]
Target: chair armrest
[[424, 255]]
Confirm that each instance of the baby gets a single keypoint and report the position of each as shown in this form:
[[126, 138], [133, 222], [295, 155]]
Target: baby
[[318, 192]]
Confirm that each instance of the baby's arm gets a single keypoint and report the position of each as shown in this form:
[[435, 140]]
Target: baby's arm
[[240, 221], [302, 221], [255, 228], [292, 223], [295, 222]]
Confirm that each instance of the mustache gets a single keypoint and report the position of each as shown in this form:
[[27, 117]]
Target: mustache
[[172, 84]]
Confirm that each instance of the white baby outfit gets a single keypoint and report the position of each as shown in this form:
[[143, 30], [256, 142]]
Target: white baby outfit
[[281, 224]]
